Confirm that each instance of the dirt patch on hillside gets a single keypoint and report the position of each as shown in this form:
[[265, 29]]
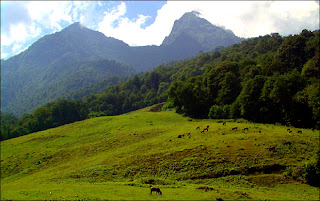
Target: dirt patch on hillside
[[156, 108], [269, 180], [267, 169]]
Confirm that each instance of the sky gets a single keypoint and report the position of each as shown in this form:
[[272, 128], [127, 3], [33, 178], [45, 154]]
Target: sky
[[141, 23]]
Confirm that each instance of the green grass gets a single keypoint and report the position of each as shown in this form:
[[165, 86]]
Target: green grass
[[120, 157]]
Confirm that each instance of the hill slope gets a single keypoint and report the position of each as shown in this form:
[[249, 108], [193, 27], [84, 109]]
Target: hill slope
[[119, 157]]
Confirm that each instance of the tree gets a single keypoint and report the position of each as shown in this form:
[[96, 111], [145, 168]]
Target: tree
[[229, 89], [291, 54], [249, 98], [41, 116]]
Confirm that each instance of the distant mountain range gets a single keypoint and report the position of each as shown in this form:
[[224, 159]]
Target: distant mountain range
[[76, 57]]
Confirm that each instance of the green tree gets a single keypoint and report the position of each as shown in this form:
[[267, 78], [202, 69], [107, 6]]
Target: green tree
[[249, 98], [229, 89]]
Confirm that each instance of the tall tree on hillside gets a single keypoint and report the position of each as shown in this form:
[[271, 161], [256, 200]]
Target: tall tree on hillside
[[249, 98]]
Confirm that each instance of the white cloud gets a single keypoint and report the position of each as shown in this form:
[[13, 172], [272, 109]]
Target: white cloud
[[244, 18], [18, 32], [4, 55], [250, 19], [131, 31], [50, 13], [114, 24], [16, 47]]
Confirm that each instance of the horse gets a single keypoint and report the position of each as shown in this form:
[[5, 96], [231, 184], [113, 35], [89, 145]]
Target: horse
[[156, 189]]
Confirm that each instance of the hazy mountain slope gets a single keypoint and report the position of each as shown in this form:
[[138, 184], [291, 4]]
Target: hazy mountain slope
[[31, 89], [205, 33], [48, 68]]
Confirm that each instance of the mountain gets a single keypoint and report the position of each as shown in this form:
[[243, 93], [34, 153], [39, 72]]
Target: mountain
[[202, 31], [77, 57]]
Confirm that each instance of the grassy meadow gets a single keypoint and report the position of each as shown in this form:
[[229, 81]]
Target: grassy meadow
[[120, 157]]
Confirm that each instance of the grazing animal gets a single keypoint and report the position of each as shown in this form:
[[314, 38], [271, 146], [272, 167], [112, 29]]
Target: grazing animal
[[287, 142], [246, 128], [272, 148], [198, 128], [202, 131], [156, 189], [206, 129], [288, 129], [224, 123], [234, 128], [299, 131]]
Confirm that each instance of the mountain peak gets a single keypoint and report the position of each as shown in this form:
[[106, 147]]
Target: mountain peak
[[201, 30], [192, 14], [74, 26]]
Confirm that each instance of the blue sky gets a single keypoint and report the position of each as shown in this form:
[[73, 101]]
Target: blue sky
[[141, 23]]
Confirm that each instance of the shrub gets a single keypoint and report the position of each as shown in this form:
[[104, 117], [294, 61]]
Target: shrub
[[311, 172], [219, 112]]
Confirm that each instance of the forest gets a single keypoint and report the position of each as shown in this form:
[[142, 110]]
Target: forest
[[267, 79]]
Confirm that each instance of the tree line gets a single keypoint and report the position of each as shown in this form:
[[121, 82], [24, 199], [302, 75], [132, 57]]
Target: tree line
[[268, 79], [279, 85]]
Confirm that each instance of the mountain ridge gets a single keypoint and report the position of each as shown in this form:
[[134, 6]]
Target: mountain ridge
[[23, 75], [207, 34]]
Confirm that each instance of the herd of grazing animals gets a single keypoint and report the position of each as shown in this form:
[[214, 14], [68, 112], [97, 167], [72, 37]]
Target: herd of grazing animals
[[270, 148], [234, 128]]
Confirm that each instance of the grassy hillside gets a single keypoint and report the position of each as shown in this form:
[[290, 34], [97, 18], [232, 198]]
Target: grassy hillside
[[120, 157]]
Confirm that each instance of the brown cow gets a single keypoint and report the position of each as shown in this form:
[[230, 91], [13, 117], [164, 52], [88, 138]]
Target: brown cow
[[224, 123], [234, 128], [156, 189], [246, 128], [272, 148]]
